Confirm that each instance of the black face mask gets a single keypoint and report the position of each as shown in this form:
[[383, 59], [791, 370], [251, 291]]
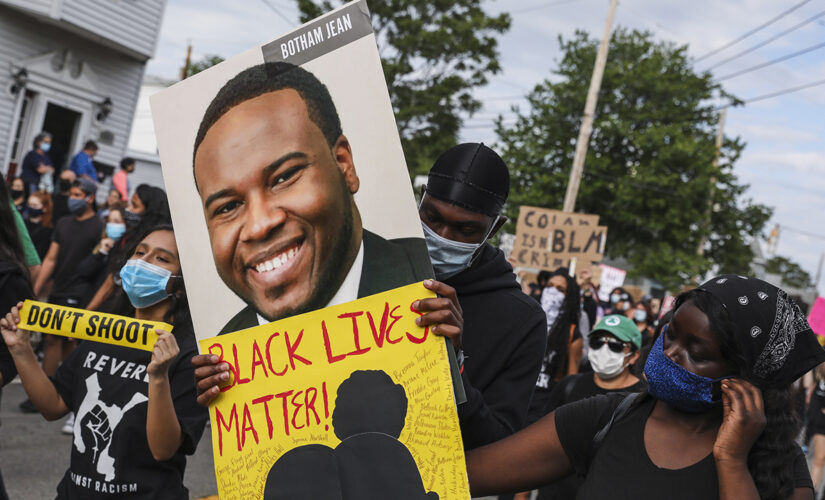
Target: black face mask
[[33, 212], [65, 185], [131, 218], [17, 193]]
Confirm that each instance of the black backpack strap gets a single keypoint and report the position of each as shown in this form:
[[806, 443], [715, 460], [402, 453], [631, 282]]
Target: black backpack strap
[[568, 388], [624, 407]]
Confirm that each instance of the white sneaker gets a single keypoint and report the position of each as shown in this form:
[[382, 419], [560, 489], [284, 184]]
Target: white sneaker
[[68, 425]]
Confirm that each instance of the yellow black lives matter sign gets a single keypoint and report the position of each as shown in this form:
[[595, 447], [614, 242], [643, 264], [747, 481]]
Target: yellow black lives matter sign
[[90, 325]]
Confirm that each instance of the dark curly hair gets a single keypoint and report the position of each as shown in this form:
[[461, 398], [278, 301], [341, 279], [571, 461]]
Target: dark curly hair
[[270, 77], [772, 457]]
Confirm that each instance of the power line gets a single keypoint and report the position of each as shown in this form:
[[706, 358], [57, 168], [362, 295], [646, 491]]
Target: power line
[[769, 40], [785, 91], [629, 182], [774, 183], [543, 6], [751, 32], [274, 9], [649, 20], [772, 62], [801, 231]]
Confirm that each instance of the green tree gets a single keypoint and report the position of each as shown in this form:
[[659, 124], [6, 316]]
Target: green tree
[[203, 63], [434, 53], [791, 272], [648, 170]]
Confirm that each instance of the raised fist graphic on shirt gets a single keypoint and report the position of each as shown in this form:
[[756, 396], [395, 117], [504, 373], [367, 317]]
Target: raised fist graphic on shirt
[[95, 424]]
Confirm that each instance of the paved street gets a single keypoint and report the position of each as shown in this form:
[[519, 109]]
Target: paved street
[[34, 454]]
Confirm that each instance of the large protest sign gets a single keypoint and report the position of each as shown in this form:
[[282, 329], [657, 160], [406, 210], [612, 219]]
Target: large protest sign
[[286, 178], [291, 201], [90, 325], [351, 401], [816, 317], [548, 239]]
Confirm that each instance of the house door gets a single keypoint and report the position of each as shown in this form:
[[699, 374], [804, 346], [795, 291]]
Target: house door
[[62, 123]]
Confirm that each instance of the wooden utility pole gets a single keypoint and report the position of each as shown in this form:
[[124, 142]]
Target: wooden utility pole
[[589, 109], [819, 271], [720, 135], [185, 70]]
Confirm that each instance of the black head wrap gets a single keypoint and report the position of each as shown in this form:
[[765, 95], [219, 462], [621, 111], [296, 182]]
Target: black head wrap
[[770, 329], [472, 176]]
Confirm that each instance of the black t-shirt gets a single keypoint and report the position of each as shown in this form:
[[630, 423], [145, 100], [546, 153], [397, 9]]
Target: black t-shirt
[[60, 207], [41, 237], [106, 386], [580, 386], [622, 469], [14, 287], [77, 239], [570, 389], [816, 419], [545, 382]]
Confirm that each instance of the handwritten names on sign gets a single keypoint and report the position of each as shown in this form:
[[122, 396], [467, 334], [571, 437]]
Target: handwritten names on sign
[[352, 386]]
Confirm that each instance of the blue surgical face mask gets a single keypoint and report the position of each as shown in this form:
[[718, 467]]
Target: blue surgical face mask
[[640, 315], [76, 206], [676, 386], [144, 283], [45, 146], [448, 257], [115, 230]]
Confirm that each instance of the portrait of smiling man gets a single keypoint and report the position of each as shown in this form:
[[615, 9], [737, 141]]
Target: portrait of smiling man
[[276, 178]]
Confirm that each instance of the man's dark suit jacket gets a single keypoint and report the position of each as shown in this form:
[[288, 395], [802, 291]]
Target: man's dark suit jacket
[[388, 264]]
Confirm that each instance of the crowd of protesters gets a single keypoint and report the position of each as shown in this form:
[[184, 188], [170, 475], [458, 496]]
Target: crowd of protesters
[[568, 395]]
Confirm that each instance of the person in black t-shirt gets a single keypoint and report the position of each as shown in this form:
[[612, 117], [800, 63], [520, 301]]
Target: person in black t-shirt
[[136, 413], [38, 219], [614, 348], [716, 421], [61, 197], [560, 302], [73, 239], [816, 424], [19, 194]]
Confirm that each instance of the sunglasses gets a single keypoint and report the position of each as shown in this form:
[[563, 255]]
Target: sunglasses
[[614, 345]]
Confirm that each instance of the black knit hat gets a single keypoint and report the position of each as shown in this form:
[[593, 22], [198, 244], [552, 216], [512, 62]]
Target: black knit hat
[[472, 176]]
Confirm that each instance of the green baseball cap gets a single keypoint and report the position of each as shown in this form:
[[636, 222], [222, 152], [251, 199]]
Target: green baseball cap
[[621, 327]]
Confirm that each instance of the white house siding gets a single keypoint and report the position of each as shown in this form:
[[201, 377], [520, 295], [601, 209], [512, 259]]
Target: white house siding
[[147, 171], [131, 23], [119, 77], [43, 7]]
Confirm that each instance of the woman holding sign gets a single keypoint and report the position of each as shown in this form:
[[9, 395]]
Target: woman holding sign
[[716, 422], [136, 414]]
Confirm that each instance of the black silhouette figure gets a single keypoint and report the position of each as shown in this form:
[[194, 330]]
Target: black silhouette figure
[[369, 464]]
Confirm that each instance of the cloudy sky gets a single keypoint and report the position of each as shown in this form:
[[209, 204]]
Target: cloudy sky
[[784, 161]]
